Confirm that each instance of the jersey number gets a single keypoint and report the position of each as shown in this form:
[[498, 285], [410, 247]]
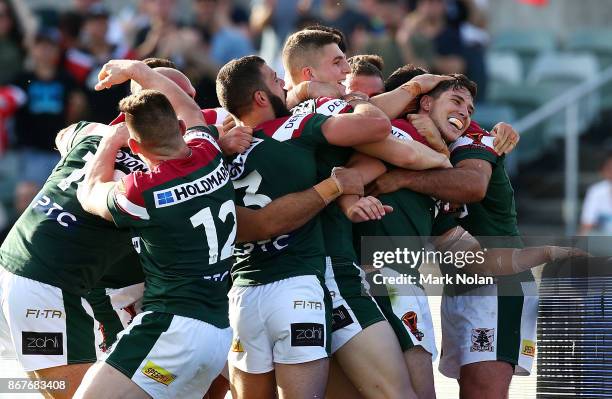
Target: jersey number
[[252, 182], [205, 218]]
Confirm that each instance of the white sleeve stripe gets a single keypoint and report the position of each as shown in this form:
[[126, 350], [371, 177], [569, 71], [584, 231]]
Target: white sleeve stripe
[[131, 208]]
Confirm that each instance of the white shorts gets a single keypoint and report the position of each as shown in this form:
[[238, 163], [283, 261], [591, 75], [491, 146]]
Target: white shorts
[[407, 310], [114, 310], [48, 327], [171, 356], [483, 327], [353, 308], [286, 321]]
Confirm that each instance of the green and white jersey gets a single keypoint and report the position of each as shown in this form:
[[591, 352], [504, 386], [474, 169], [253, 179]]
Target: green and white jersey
[[337, 228], [495, 215], [413, 213], [281, 160], [55, 241], [183, 223]]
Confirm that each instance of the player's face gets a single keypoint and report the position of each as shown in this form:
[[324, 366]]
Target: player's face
[[331, 66], [452, 112], [275, 91], [370, 85]]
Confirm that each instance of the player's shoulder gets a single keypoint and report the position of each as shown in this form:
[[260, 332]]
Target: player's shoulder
[[215, 116], [287, 127], [475, 137], [405, 130], [332, 106]]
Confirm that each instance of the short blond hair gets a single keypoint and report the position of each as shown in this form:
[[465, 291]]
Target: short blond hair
[[300, 49]]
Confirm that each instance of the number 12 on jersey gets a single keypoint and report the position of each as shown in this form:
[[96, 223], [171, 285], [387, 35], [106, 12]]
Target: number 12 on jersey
[[205, 218]]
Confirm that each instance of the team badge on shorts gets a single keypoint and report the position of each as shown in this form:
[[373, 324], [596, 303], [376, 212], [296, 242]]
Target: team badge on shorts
[[341, 318], [236, 345], [410, 320], [482, 339]]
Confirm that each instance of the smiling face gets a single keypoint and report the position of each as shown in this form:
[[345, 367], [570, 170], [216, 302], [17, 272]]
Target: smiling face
[[451, 112], [330, 66]]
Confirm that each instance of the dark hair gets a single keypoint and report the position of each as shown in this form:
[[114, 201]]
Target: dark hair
[[154, 62], [459, 82], [236, 83], [402, 75], [151, 117], [365, 68], [375, 60], [341, 43], [299, 48]]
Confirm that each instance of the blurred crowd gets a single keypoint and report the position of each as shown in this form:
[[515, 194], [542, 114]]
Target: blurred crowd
[[50, 56]]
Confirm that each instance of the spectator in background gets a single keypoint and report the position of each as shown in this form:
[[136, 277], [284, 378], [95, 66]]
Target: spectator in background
[[469, 16], [51, 103], [94, 51], [156, 39], [227, 41], [391, 14], [597, 208], [281, 15], [352, 23], [11, 41], [428, 40], [114, 33]]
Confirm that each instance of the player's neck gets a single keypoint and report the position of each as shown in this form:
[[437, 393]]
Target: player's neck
[[154, 160], [257, 117]]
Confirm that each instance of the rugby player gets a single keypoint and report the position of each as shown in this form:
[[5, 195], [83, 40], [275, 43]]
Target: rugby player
[[250, 90], [361, 338], [478, 179]]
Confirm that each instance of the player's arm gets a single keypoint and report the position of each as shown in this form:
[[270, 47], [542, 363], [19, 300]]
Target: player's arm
[[366, 124], [68, 136], [118, 71], [292, 211], [98, 182], [408, 154], [402, 99], [500, 261], [467, 182]]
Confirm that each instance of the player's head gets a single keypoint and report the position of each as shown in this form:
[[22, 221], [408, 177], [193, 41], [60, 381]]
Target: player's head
[[248, 85], [403, 75], [174, 75], [450, 106], [315, 55], [337, 32], [366, 75], [152, 123]]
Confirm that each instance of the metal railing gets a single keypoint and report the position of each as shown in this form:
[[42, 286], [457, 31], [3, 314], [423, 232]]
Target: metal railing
[[569, 103]]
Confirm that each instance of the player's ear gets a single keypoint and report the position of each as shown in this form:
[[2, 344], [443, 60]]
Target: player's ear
[[260, 98], [426, 103], [307, 73], [182, 126]]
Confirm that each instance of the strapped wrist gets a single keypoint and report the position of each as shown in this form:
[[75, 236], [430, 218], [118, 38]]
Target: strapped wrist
[[413, 88], [329, 189]]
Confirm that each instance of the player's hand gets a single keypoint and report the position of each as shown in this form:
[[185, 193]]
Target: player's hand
[[427, 128], [228, 123], [367, 208], [322, 89], [236, 140], [386, 183], [118, 135], [559, 253], [116, 72], [428, 81], [350, 180], [506, 138]]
